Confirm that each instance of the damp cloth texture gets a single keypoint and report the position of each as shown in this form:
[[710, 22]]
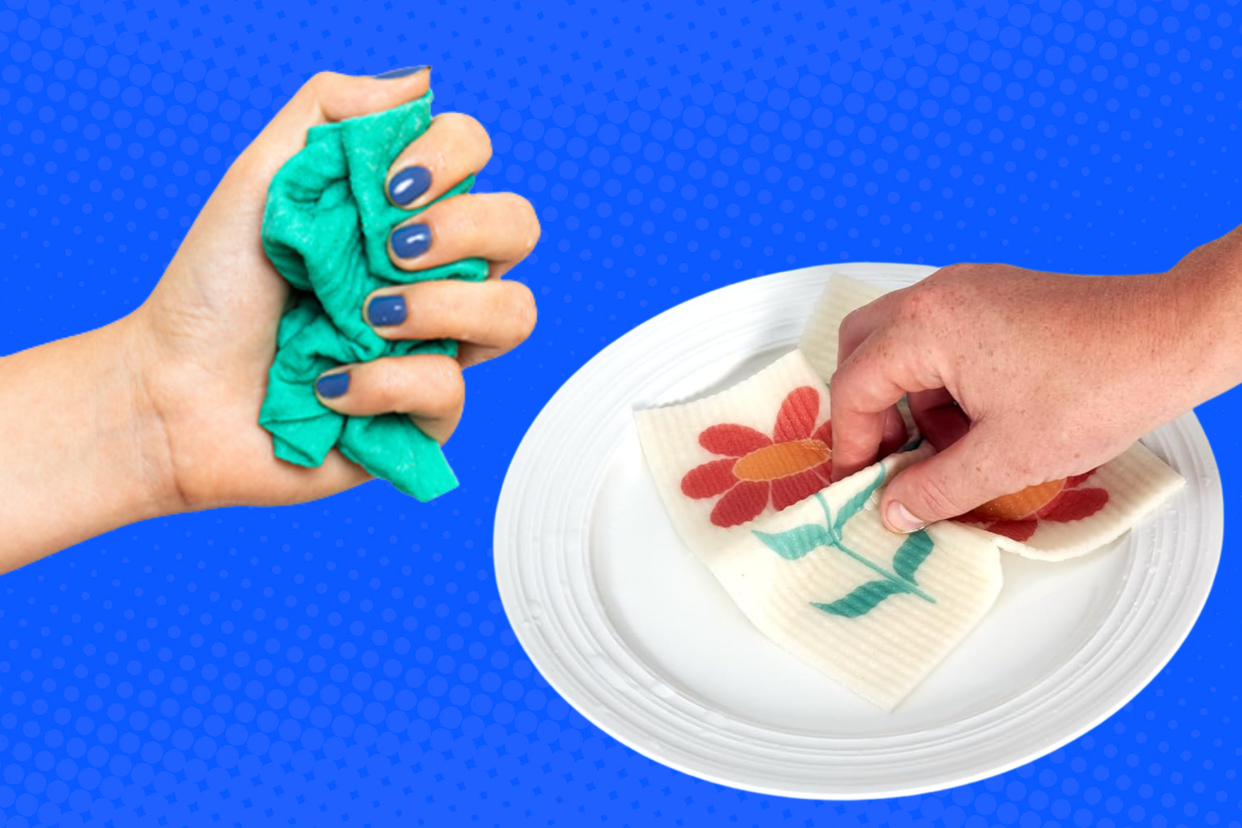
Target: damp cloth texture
[[326, 229]]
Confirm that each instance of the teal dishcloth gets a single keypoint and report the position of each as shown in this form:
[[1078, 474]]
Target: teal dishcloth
[[326, 228]]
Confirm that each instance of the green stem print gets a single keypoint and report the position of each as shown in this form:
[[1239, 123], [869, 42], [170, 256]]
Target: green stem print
[[796, 543]]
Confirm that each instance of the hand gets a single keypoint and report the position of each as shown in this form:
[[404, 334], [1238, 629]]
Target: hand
[[207, 334], [1019, 377], [158, 412]]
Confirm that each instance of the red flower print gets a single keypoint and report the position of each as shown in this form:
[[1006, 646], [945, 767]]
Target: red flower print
[[755, 469], [1017, 516]]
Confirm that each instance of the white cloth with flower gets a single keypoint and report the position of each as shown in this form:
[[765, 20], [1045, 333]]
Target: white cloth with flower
[[745, 477]]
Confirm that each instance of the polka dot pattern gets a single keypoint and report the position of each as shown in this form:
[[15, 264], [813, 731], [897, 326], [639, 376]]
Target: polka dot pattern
[[349, 660]]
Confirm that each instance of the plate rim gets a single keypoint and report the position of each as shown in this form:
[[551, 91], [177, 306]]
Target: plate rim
[[587, 701]]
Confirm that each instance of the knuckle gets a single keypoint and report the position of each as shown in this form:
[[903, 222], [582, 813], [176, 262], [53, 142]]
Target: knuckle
[[839, 383], [915, 305], [850, 324], [377, 386], [466, 134], [840, 389], [847, 387], [443, 375], [319, 83], [452, 120], [478, 134], [928, 301], [482, 214], [939, 498], [526, 221], [952, 271], [522, 309]]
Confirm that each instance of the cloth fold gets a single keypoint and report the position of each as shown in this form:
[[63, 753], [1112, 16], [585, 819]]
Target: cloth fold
[[745, 473], [326, 229], [744, 476]]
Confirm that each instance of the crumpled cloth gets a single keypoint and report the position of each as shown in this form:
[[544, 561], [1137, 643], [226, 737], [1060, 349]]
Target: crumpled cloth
[[326, 229]]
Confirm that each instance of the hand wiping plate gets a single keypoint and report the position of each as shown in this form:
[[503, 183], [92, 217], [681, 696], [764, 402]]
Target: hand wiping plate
[[745, 477], [607, 589]]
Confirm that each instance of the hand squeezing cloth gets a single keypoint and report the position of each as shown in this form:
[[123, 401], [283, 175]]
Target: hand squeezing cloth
[[745, 477], [326, 229]]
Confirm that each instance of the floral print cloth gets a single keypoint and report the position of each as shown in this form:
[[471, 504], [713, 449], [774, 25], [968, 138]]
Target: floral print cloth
[[745, 475]]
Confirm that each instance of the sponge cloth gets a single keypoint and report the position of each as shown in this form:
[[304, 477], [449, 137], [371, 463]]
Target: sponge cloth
[[326, 229], [744, 476]]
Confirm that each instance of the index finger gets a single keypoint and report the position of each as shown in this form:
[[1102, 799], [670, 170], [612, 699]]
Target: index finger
[[860, 322], [879, 372], [325, 98]]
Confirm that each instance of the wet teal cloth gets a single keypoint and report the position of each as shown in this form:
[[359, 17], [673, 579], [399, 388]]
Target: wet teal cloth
[[326, 229]]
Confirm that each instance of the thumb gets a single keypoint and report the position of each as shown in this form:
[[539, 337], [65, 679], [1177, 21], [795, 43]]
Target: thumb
[[947, 484]]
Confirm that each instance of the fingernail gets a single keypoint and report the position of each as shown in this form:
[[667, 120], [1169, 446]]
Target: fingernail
[[393, 74], [898, 517], [409, 184], [331, 386], [411, 241], [385, 311]]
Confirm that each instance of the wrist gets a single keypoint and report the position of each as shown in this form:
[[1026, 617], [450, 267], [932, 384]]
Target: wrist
[[1203, 294], [82, 453], [139, 434]]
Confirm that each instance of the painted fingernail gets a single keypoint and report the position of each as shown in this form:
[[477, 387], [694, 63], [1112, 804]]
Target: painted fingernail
[[409, 184], [385, 311], [900, 519], [393, 74], [331, 386], [411, 241]]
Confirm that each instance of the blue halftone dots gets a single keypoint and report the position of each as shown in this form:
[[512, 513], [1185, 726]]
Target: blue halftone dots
[[349, 660]]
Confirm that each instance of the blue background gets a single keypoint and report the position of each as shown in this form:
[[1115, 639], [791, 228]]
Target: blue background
[[347, 661]]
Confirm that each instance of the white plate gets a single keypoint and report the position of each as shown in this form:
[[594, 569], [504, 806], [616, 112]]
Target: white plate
[[630, 629]]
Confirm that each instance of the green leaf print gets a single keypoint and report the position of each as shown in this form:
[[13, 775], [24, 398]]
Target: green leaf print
[[856, 503], [862, 600], [794, 544], [910, 556], [797, 542]]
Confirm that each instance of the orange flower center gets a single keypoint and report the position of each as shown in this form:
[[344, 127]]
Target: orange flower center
[[1021, 504], [781, 460]]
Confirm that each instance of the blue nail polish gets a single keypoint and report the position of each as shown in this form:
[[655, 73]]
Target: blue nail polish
[[409, 184], [384, 311], [411, 241], [331, 386], [393, 74]]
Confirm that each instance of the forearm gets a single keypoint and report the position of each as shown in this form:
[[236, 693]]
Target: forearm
[[80, 449]]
